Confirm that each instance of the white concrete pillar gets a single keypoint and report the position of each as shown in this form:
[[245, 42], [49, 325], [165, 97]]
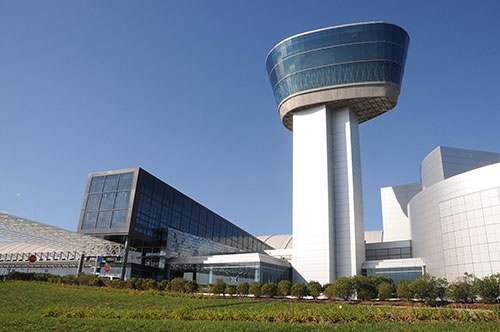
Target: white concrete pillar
[[327, 195]]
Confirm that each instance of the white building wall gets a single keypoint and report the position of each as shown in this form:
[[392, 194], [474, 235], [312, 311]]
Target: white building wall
[[348, 193], [396, 223], [328, 225], [444, 162], [313, 254], [455, 224]]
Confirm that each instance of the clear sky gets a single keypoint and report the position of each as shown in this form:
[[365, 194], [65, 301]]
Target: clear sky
[[179, 89]]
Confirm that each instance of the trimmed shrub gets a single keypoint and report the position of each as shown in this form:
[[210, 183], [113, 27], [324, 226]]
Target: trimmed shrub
[[191, 286], [164, 285], [218, 288], [270, 289], [242, 288], [230, 290], [130, 283], [314, 288], [461, 290], [487, 288], [255, 288], [343, 288], [178, 284], [284, 287], [97, 282], [85, 279], [385, 291], [69, 280], [139, 284], [404, 290], [149, 284], [299, 290]]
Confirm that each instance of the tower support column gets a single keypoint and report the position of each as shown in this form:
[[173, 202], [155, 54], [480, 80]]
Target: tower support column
[[328, 226]]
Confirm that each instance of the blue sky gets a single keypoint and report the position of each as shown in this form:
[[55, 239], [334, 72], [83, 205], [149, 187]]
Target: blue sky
[[180, 89]]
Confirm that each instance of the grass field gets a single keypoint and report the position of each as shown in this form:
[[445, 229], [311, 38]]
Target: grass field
[[33, 306]]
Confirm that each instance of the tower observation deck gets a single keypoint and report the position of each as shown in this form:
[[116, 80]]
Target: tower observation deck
[[325, 83]]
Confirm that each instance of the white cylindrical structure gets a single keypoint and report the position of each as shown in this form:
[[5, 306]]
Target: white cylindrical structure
[[327, 195]]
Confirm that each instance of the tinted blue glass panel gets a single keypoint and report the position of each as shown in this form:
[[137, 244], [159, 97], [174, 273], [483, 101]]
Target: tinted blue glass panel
[[96, 184], [119, 219], [371, 52], [104, 220], [147, 186], [122, 199], [176, 220], [158, 192], [210, 221], [111, 182], [93, 201], [168, 198], [374, 71], [126, 181], [178, 203], [107, 201], [186, 209], [89, 220]]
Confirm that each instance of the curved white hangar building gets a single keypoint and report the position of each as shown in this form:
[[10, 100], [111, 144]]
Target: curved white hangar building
[[455, 219], [453, 216]]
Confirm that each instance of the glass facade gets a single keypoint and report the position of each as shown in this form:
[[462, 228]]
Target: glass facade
[[387, 253], [233, 273], [397, 273], [161, 207], [370, 52], [163, 223], [108, 201]]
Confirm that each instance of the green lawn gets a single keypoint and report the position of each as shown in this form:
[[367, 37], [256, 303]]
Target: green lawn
[[33, 306]]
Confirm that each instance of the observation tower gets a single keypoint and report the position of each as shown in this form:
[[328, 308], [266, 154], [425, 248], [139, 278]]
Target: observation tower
[[325, 83]]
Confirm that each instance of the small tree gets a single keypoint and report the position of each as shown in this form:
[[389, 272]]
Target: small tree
[[299, 290], [284, 287], [343, 288], [366, 286], [461, 290], [385, 291], [314, 288], [219, 287], [242, 288], [270, 289], [487, 288], [178, 284], [404, 290], [230, 289], [255, 288], [330, 291], [191, 286], [429, 288]]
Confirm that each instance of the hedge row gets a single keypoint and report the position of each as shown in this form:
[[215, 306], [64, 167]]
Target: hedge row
[[426, 288]]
